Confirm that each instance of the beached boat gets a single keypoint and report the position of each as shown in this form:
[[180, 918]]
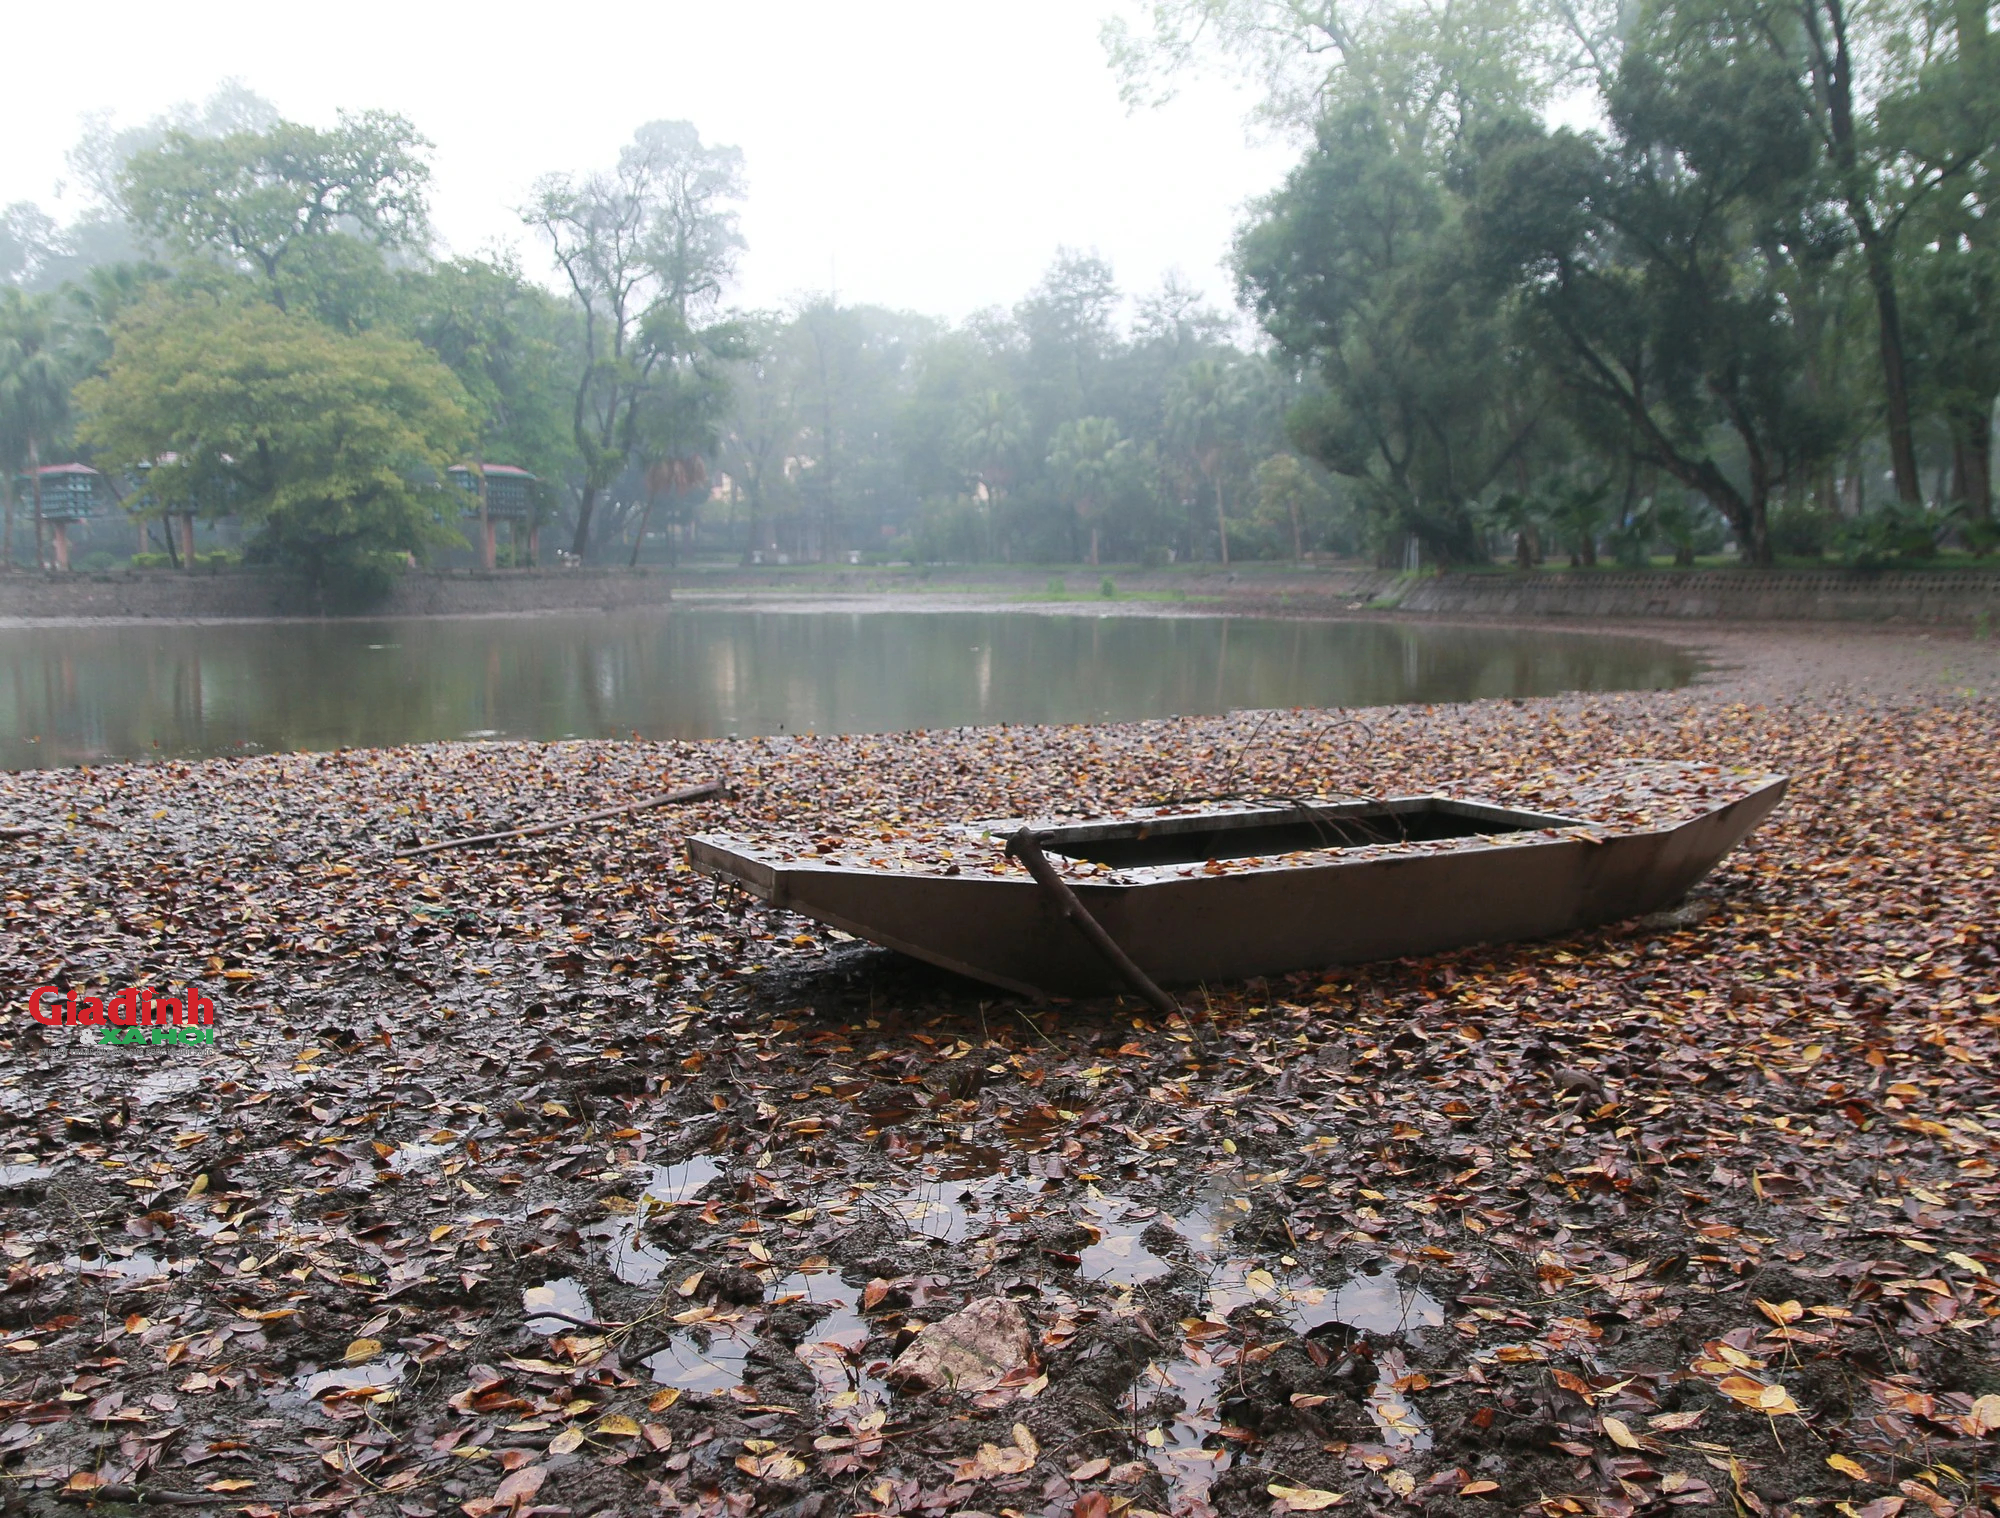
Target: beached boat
[[1228, 891]]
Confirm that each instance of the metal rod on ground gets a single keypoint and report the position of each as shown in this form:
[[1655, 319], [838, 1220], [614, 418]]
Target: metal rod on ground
[[669, 798], [1025, 847]]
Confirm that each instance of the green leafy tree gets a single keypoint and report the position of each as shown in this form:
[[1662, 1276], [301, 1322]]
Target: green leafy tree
[[1206, 407], [1087, 458], [1356, 267], [507, 340], [1652, 273], [292, 205], [647, 249], [1289, 493], [331, 446], [36, 371], [992, 432]]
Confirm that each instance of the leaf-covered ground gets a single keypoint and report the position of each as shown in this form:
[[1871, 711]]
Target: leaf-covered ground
[[554, 1179]]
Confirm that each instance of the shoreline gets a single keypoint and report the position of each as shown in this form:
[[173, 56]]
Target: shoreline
[[1963, 597]]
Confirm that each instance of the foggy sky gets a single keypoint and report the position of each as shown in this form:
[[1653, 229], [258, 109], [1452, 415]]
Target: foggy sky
[[927, 154]]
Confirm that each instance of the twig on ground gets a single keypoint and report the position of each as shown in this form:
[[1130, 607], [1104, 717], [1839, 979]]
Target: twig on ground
[[707, 788], [143, 1496]]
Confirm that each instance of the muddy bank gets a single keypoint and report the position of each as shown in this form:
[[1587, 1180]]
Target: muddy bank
[[552, 1178]]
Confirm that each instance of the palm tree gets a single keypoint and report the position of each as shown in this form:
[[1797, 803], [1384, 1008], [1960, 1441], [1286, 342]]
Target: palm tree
[[1085, 457], [34, 390], [1203, 407], [991, 426]]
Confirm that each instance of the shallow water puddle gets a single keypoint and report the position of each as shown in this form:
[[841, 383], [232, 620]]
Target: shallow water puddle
[[1403, 1427], [1181, 1455], [137, 1266], [378, 1374], [950, 1212], [1118, 1257], [565, 1295], [676, 1184], [161, 1084], [691, 1366], [23, 1175], [627, 1255], [832, 1348], [415, 1157]]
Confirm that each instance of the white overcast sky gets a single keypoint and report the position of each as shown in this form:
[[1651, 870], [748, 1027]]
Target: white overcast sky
[[927, 154]]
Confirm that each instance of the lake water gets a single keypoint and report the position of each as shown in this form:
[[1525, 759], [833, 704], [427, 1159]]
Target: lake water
[[82, 694]]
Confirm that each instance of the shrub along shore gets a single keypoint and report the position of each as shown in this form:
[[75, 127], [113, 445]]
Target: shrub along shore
[[549, 1174]]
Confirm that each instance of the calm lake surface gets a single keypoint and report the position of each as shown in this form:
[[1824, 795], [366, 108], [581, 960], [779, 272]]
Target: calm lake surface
[[83, 695]]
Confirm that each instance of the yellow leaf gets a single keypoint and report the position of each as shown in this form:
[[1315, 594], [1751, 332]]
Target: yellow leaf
[[1260, 1283], [1777, 1401], [619, 1426], [1620, 1434], [237, 1485], [363, 1350], [687, 1287], [1479, 1489], [1984, 1417], [200, 1185], [1304, 1499], [662, 1400], [1966, 1262], [1025, 1442], [1848, 1467], [239, 974], [568, 1442], [1090, 1470], [1781, 1313]]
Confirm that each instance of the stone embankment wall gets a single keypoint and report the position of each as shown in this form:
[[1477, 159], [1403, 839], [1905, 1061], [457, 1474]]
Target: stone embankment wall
[[239, 594], [1953, 598]]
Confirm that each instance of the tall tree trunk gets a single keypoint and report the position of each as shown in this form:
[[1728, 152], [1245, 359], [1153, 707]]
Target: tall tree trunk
[[1835, 69], [35, 483], [586, 504], [1221, 520], [1972, 460], [1298, 538], [7, 504], [638, 538]]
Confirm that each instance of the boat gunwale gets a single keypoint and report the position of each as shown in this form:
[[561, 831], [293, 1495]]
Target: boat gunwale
[[1106, 878]]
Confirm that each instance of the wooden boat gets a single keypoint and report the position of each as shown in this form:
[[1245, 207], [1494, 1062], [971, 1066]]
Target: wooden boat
[[1228, 891]]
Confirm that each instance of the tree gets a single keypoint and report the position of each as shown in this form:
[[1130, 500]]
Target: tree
[[992, 429], [1356, 267], [1653, 273], [270, 202], [331, 446], [1432, 71], [506, 340], [763, 426], [1086, 458], [647, 249], [1287, 492], [35, 376], [1203, 420]]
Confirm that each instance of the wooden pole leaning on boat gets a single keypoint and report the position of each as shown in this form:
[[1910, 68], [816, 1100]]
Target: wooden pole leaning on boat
[[1025, 847], [700, 792]]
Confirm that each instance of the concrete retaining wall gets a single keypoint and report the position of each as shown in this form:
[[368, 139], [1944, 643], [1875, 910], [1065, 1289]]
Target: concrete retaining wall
[[241, 594], [1954, 597]]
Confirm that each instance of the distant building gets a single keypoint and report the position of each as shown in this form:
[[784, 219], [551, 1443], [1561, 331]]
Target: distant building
[[68, 493], [500, 492]]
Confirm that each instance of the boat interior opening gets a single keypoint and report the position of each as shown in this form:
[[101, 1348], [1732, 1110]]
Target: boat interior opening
[[1198, 838]]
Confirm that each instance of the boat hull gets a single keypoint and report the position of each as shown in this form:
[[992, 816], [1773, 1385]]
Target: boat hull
[[1196, 926]]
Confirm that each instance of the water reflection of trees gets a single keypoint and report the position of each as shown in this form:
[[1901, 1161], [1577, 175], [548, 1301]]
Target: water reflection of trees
[[113, 692]]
